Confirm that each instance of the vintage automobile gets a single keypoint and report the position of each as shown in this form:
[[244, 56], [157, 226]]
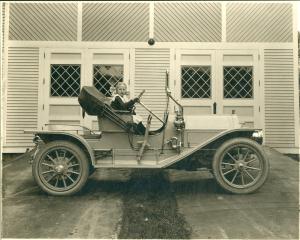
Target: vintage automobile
[[65, 156]]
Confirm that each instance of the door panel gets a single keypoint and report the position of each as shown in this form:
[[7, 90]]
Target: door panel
[[195, 85], [66, 71], [106, 67], [63, 71], [219, 82], [238, 85]]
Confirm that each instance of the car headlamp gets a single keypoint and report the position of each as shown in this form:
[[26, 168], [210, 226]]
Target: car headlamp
[[257, 134]]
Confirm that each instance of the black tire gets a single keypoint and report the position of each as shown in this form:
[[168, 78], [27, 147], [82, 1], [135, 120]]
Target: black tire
[[61, 168], [240, 166]]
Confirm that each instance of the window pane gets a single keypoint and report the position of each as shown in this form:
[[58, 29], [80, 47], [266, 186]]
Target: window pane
[[107, 76], [195, 82], [238, 82], [65, 80]]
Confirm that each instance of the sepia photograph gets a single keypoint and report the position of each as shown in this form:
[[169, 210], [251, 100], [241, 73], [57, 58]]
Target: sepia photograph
[[150, 119]]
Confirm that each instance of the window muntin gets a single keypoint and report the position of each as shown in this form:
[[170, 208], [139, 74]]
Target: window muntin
[[65, 80], [196, 82], [107, 76], [238, 81]]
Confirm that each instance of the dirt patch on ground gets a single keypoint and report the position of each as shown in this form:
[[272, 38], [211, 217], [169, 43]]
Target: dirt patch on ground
[[150, 208]]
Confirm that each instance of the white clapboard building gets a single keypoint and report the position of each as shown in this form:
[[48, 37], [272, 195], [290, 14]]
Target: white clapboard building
[[222, 58]]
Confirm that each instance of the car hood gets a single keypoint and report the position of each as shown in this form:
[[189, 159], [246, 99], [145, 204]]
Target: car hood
[[222, 122]]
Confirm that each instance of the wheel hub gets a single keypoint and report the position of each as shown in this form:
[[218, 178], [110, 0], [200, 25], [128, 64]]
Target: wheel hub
[[59, 168], [240, 165]]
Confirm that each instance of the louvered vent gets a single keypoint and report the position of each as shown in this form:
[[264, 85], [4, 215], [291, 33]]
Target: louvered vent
[[279, 98], [3, 15], [187, 22], [259, 22], [2, 60], [43, 21], [22, 95], [115, 22], [150, 74], [2, 36]]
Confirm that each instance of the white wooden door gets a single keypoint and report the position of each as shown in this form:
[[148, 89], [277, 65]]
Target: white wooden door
[[66, 71], [219, 82], [238, 85], [62, 78], [105, 68], [195, 86]]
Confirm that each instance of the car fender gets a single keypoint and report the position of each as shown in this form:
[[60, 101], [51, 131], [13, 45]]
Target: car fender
[[47, 136], [220, 138]]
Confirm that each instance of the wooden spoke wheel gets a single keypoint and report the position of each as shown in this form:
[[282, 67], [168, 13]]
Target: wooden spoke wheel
[[240, 166], [61, 168]]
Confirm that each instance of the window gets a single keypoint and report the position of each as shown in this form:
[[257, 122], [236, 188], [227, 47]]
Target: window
[[238, 82], [65, 80], [107, 76], [196, 82]]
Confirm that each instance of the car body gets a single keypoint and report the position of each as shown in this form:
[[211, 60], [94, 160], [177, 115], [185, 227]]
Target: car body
[[65, 155]]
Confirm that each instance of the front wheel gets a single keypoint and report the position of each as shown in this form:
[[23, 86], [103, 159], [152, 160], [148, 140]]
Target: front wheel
[[61, 168], [240, 166]]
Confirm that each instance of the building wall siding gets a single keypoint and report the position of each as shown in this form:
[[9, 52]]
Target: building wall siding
[[43, 22], [3, 6], [259, 22], [150, 74], [22, 95], [197, 22], [115, 22], [279, 98], [187, 22]]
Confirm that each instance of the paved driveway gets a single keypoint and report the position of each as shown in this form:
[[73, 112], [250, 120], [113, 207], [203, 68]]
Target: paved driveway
[[152, 204], [272, 212]]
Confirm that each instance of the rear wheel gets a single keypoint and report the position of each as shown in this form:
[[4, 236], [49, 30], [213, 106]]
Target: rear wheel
[[240, 166], [61, 168]]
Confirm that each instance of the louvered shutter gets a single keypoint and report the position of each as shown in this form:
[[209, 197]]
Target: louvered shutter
[[150, 74], [279, 98], [22, 95]]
